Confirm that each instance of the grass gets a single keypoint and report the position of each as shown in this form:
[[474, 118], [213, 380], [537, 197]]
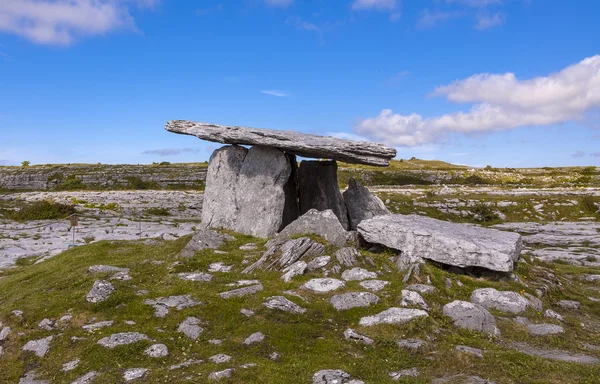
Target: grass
[[40, 210], [306, 343]]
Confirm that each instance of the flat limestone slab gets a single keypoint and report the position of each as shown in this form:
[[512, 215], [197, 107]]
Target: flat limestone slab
[[301, 144], [460, 245]]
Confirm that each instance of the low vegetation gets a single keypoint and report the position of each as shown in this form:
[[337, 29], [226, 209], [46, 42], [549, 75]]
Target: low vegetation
[[40, 210]]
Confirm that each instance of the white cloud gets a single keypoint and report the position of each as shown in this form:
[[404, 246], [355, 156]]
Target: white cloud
[[171, 151], [275, 92], [431, 19], [279, 3], [298, 23], [501, 102], [63, 21], [475, 3], [382, 5], [487, 21]]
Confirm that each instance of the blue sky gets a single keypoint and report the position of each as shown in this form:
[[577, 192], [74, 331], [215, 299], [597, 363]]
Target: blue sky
[[510, 83]]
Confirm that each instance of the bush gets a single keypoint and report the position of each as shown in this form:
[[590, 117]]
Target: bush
[[157, 211], [483, 213], [135, 182], [475, 180], [588, 204], [71, 183], [42, 210], [25, 163]]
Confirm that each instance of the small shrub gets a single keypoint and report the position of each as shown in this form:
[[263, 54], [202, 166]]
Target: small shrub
[[483, 213], [157, 211], [71, 183], [588, 204], [135, 182], [25, 163], [164, 163], [475, 180], [42, 210]]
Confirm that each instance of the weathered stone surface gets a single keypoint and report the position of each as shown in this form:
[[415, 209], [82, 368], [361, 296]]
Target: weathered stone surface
[[347, 256], [4, 332], [361, 204], [461, 379], [569, 304], [204, 239], [106, 269], [555, 354], [134, 373], [353, 299], [318, 188], [123, 338], [331, 376], [322, 223], [220, 358], [98, 325], [393, 316], [397, 375], [157, 351], [31, 377], [553, 315], [544, 329], [318, 263], [240, 292], [421, 288], [281, 255], [323, 285], [470, 350], [47, 324], [219, 267], [217, 376], [100, 291], [449, 243], [301, 144], [350, 334], [505, 301], [412, 344], [471, 316], [40, 347], [195, 276], [70, 365], [283, 304], [358, 274], [185, 364], [162, 304], [374, 285], [254, 338], [412, 299], [293, 270], [191, 327], [87, 378]]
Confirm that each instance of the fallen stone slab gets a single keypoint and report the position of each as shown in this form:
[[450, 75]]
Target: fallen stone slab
[[282, 253], [553, 315], [219, 267], [134, 373], [569, 304], [374, 285], [40, 346], [323, 284], [318, 263], [186, 364], [70, 365], [358, 274], [294, 270], [123, 338], [544, 329], [162, 304], [505, 301], [321, 223], [350, 300], [100, 291], [191, 327], [240, 292], [448, 243], [283, 304], [204, 239], [471, 316], [393, 316], [350, 334], [362, 204], [300, 144], [555, 354]]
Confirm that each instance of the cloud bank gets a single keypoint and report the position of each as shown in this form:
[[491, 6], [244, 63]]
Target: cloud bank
[[171, 151], [500, 102]]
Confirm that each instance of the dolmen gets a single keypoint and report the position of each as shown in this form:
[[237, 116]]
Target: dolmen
[[261, 190]]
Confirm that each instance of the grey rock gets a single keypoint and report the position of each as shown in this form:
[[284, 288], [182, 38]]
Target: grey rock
[[280, 255], [220, 358], [40, 346], [241, 283], [591, 347], [553, 315], [357, 274], [544, 329], [350, 300], [323, 285], [374, 285], [254, 338], [106, 269], [31, 378], [219, 267], [71, 365], [293, 270], [98, 325], [240, 292], [393, 316], [331, 376], [461, 379], [300, 144], [134, 373], [347, 256], [204, 239], [471, 316], [283, 304], [397, 375], [449, 243], [569, 304], [412, 299], [216, 376], [421, 288], [470, 350], [215, 341], [247, 312], [248, 247], [362, 204], [47, 324], [318, 263], [65, 318], [185, 364], [412, 344], [534, 302], [162, 304], [191, 328], [274, 356], [555, 354], [157, 351], [123, 338], [318, 188], [100, 291], [591, 278], [350, 334], [87, 378], [322, 223], [505, 301], [195, 276]]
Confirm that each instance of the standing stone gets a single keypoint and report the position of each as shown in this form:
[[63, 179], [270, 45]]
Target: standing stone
[[318, 188], [362, 204], [219, 208], [261, 194]]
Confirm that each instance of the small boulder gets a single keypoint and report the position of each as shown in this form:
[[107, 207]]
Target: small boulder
[[224, 374], [350, 334], [317, 263], [40, 346], [254, 338], [357, 274], [293, 270], [322, 223], [374, 285], [569, 304], [123, 338], [191, 327], [412, 299], [471, 316], [350, 300], [323, 285], [100, 291], [544, 329], [134, 373], [157, 351], [283, 304], [393, 316], [362, 204], [204, 239], [505, 301], [240, 292]]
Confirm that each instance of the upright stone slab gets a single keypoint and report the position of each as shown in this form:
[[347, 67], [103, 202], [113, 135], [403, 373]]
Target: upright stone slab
[[260, 194], [219, 208], [362, 204], [318, 188]]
